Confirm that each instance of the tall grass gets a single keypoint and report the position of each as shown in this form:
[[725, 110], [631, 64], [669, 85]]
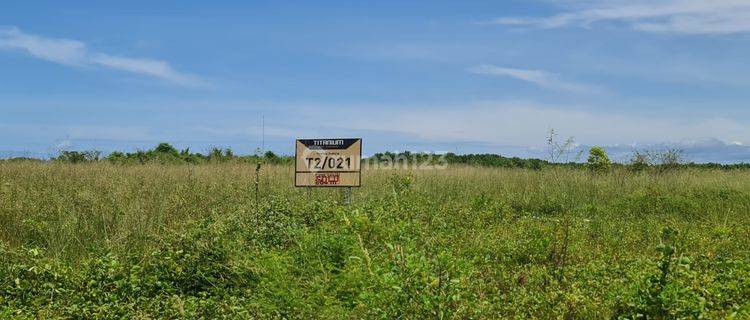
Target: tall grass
[[454, 243]]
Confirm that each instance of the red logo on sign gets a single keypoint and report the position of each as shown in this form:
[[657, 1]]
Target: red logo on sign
[[324, 179]]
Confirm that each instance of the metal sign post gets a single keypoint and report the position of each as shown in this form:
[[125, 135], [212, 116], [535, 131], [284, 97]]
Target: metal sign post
[[348, 196]]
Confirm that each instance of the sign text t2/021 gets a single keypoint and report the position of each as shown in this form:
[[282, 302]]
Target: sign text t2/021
[[328, 162]]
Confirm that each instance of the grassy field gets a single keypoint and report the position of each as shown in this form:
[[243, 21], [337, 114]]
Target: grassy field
[[180, 241]]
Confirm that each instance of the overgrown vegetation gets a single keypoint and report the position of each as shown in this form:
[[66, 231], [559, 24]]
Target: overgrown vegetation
[[483, 160], [165, 153], [559, 155], [101, 240]]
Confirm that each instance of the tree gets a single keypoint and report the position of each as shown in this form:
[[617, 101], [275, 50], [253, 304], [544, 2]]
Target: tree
[[640, 161], [167, 148], [116, 156], [556, 150], [598, 160], [269, 155], [79, 156], [669, 159]]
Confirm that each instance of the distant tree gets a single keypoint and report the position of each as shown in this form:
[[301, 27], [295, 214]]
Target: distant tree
[[598, 160], [669, 159], [79, 156], [556, 150], [664, 160], [166, 148], [269, 155], [640, 161], [141, 156], [71, 157], [116, 156], [216, 155]]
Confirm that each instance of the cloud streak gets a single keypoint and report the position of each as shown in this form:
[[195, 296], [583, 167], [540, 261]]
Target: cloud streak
[[537, 77], [75, 53], [525, 123], [665, 16]]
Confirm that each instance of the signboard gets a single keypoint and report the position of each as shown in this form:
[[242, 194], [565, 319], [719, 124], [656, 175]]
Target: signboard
[[328, 163]]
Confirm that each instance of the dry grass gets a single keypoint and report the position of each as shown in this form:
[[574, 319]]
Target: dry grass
[[70, 209]]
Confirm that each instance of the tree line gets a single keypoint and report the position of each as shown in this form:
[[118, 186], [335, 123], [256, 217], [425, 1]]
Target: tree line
[[165, 153]]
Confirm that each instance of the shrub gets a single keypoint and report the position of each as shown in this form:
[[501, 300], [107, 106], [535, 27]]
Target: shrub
[[639, 161], [166, 148], [598, 160], [78, 156]]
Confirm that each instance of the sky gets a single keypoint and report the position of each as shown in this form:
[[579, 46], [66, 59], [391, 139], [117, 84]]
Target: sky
[[433, 76]]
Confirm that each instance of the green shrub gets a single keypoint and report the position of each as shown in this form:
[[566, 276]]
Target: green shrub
[[598, 160]]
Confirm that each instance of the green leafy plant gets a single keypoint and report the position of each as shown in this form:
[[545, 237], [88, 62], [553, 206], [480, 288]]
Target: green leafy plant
[[598, 161]]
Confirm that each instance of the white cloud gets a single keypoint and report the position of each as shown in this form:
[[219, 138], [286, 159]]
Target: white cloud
[[155, 68], [492, 126], [75, 53], [62, 51], [525, 124], [537, 77], [671, 16]]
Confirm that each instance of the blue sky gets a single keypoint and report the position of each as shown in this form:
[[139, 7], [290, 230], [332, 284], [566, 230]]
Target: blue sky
[[460, 76]]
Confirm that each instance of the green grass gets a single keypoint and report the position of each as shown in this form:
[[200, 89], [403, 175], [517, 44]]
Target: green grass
[[178, 241]]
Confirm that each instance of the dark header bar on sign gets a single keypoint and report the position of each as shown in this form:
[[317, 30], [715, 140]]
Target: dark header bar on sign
[[328, 143]]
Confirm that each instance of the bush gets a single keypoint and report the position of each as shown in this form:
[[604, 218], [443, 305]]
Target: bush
[[598, 160], [639, 161], [78, 156]]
